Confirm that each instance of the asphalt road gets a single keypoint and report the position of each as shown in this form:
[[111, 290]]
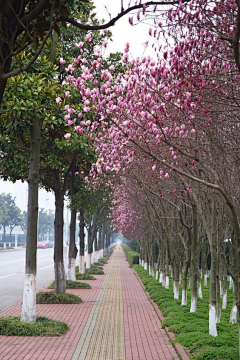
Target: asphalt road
[[12, 265]]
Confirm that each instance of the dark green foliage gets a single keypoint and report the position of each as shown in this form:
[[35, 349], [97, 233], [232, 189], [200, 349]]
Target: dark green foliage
[[102, 261], [191, 329], [85, 276], [133, 244], [96, 270], [54, 298], [73, 285], [132, 256], [12, 326]]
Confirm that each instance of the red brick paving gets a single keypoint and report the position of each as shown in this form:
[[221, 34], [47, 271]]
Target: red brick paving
[[56, 348], [144, 338]]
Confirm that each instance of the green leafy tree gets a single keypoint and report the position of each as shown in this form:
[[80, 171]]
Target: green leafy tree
[[10, 214], [45, 224], [28, 106], [26, 23]]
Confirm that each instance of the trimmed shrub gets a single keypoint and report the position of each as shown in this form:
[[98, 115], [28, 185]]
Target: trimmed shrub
[[72, 285], [95, 270], [85, 276], [12, 326], [132, 256], [191, 329], [50, 297]]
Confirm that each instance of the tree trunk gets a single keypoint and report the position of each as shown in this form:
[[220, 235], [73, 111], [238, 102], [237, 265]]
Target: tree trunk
[[60, 278], [176, 271], [218, 284], [194, 260], [213, 248], [167, 271], [72, 253], [4, 233], [224, 284], [29, 293], [81, 243], [158, 266], [185, 273], [145, 259]]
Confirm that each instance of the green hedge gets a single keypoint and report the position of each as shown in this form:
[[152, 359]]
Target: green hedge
[[191, 329], [132, 256]]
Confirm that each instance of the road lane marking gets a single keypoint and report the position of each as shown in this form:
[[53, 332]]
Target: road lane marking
[[45, 267], [3, 277]]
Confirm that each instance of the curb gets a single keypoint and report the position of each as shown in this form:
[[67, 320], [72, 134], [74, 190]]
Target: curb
[[178, 347]]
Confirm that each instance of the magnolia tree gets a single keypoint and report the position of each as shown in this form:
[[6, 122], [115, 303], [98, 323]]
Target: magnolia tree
[[167, 113]]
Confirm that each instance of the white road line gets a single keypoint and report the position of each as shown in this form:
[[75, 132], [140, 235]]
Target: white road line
[[3, 277], [45, 267]]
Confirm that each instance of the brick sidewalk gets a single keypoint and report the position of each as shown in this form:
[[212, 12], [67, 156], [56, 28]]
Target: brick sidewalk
[[116, 321]]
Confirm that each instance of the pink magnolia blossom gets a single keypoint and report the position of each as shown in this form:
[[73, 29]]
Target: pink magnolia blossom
[[88, 37], [67, 136], [58, 100], [79, 45]]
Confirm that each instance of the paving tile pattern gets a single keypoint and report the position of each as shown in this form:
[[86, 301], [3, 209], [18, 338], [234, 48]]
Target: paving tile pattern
[[144, 337], [116, 321], [107, 340], [56, 348]]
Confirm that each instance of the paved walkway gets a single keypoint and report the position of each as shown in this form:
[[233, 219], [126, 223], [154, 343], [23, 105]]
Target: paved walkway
[[116, 321]]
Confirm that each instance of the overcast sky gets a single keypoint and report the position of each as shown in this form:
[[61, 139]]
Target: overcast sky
[[122, 31]]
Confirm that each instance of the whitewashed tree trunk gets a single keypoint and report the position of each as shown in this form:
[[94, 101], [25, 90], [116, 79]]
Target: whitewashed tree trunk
[[88, 261], [221, 288], [212, 321], [142, 263], [29, 299], [224, 302], [81, 265], [156, 274], [184, 297], [230, 283], [151, 271], [205, 279], [218, 317], [233, 315], [145, 266], [161, 277], [167, 282], [200, 290], [65, 256], [29, 292], [71, 275], [193, 308], [176, 289]]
